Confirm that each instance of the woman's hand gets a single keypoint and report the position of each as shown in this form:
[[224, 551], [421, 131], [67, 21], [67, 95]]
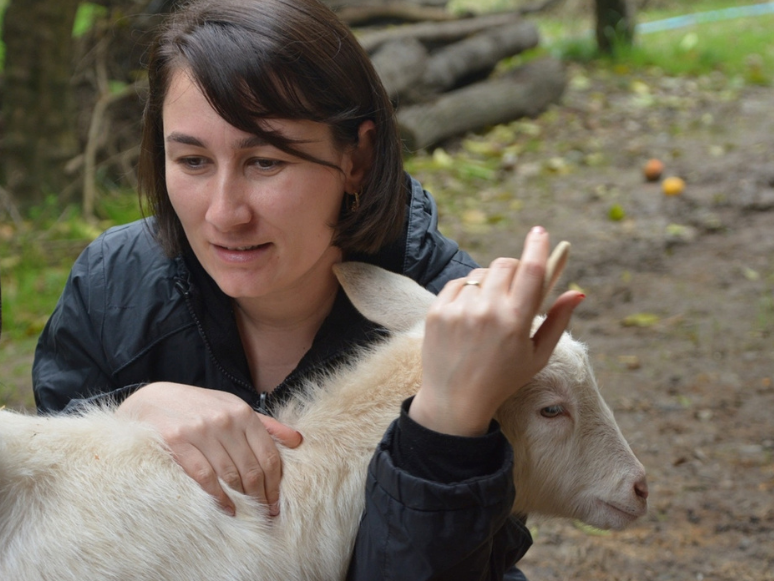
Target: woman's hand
[[478, 349], [215, 435]]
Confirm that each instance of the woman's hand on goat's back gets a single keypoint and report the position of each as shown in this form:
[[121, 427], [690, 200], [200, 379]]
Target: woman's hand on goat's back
[[215, 435], [478, 349]]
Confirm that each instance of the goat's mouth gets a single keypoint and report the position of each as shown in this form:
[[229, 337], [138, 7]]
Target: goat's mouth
[[618, 516]]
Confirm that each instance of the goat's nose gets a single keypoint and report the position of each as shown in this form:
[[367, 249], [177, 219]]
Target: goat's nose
[[641, 488]]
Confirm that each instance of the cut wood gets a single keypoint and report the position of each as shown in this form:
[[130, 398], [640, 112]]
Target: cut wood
[[354, 15], [400, 64], [524, 92], [480, 52], [436, 32], [340, 4]]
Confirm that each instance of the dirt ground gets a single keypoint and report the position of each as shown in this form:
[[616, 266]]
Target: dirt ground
[[679, 314]]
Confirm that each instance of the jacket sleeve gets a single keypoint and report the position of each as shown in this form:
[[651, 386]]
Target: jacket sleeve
[[71, 367], [418, 529]]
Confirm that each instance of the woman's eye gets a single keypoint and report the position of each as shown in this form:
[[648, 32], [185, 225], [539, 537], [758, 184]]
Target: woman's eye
[[192, 162], [264, 164], [552, 411]]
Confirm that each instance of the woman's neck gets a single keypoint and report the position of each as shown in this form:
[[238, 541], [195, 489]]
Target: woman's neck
[[277, 331]]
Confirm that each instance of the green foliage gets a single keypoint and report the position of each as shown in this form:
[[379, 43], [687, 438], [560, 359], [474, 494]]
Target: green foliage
[[36, 258], [3, 6], [88, 13], [739, 48]]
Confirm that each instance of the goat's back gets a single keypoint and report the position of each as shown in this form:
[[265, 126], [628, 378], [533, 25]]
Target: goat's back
[[98, 497]]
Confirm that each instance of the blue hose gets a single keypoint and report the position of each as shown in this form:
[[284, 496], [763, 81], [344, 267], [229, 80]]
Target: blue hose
[[711, 16]]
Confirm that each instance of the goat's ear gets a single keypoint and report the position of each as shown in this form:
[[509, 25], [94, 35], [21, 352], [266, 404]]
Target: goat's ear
[[392, 300], [556, 263]]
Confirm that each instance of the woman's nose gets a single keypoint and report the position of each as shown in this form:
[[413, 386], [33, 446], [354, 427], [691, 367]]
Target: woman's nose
[[228, 206]]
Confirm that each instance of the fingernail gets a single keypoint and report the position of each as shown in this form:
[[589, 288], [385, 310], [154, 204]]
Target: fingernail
[[580, 298], [274, 509], [230, 510], [300, 438], [538, 230]]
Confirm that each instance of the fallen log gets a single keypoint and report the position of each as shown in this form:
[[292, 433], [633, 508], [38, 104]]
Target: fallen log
[[340, 4], [357, 15], [476, 54], [524, 92], [436, 32], [400, 65]]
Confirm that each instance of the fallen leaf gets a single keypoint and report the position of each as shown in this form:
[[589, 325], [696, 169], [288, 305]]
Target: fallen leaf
[[590, 530], [631, 362], [642, 320]]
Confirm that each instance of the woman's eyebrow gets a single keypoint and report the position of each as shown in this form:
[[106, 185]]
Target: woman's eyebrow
[[176, 137], [251, 141], [185, 139]]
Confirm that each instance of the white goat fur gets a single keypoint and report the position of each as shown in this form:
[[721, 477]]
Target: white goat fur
[[99, 497]]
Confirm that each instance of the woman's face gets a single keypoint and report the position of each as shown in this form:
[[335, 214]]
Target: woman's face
[[257, 218]]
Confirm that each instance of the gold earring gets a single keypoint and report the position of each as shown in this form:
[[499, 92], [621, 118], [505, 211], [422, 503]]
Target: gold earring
[[354, 205]]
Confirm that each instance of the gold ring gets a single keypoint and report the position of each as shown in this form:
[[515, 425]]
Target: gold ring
[[472, 282]]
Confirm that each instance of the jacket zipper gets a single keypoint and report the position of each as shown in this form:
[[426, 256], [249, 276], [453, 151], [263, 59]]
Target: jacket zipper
[[265, 400], [187, 296]]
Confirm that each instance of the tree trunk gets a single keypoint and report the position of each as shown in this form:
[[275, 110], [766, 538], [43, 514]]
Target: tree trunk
[[615, 23], [524, 92], [38, 109]]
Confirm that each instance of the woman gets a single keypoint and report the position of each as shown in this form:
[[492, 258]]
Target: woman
[[270, 153]]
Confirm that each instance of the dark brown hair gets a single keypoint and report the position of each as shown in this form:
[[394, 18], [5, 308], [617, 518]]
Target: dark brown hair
[[283, 59]]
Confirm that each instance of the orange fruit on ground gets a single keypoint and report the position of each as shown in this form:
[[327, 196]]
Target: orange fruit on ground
[[653, 170], [673, 186]]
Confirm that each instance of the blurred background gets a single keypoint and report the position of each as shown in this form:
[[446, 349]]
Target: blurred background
[[639, 130]]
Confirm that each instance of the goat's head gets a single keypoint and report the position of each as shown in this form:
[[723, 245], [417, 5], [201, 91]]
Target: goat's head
[[571, 459]]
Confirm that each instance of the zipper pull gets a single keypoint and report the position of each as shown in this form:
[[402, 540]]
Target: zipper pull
[[262, 404]]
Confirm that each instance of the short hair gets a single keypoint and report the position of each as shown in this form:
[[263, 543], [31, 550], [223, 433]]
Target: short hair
[[283, 59]]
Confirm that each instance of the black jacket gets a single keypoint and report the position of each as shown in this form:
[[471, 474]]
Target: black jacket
[[129, 316]]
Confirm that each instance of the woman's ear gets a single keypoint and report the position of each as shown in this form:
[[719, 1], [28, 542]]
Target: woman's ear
[[361, 156]]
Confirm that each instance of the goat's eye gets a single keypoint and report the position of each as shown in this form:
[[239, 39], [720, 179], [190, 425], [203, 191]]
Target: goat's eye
[[552, 411]]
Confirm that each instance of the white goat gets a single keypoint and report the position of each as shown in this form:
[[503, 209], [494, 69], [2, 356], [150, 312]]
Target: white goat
[[97, 497]]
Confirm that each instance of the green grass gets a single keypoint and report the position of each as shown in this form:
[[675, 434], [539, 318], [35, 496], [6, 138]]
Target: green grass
[[36, 258], [740, 48]]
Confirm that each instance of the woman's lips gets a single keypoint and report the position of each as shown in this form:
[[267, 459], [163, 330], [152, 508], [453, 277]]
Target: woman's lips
[[240, 254]]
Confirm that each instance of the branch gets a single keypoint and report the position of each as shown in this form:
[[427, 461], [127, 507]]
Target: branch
[[92, 143], [10, 207]]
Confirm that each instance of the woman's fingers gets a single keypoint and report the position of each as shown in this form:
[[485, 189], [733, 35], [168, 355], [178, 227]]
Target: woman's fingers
[[527, 288], [196, 465], [216, 437], [499, 278], [285, 435], [479, 349], [453, 289]]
